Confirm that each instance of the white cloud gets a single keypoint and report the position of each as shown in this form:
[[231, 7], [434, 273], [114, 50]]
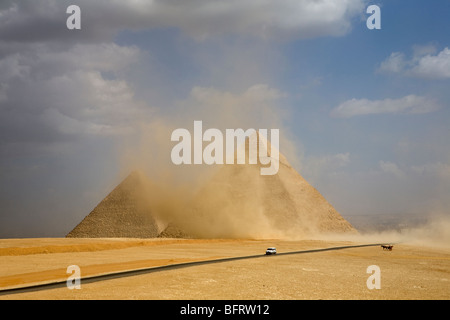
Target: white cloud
[[437, 169], [424, 63], [433, 67], [391, 168], [317, 166], [411, 104], [394, 64]]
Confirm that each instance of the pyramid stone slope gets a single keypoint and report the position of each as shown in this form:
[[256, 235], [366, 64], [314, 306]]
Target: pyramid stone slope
[[123, 213]]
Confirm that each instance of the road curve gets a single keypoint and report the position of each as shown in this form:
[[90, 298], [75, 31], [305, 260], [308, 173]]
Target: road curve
[[135, 272]]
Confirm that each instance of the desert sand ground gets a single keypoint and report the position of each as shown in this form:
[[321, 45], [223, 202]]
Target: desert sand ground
[[407, 272]]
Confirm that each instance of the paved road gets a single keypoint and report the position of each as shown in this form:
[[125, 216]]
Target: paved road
[[129, 273]]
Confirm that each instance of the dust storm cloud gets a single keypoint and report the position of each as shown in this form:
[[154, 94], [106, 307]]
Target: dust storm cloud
[[188, 195]]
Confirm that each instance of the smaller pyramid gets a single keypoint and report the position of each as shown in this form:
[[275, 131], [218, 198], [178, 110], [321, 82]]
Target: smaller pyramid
[[124, 213]]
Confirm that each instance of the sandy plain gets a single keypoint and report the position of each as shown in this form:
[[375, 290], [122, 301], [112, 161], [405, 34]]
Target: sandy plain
[[407, 272]]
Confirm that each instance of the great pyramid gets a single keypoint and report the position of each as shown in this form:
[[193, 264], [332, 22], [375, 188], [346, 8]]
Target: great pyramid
[[124, 213], [240, 202]]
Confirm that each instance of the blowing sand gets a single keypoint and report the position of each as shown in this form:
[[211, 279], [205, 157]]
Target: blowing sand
[[407, 272]]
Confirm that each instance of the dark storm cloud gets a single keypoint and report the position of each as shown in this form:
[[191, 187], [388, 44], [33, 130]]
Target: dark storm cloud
[[43, 90], [62, 98], [58, 76], [45, 20]]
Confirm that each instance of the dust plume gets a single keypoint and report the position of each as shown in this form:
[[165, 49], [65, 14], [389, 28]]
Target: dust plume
[[183, 195], [434, 232]]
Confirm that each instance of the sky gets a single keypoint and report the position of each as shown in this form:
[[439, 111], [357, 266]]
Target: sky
[[363, 113]]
